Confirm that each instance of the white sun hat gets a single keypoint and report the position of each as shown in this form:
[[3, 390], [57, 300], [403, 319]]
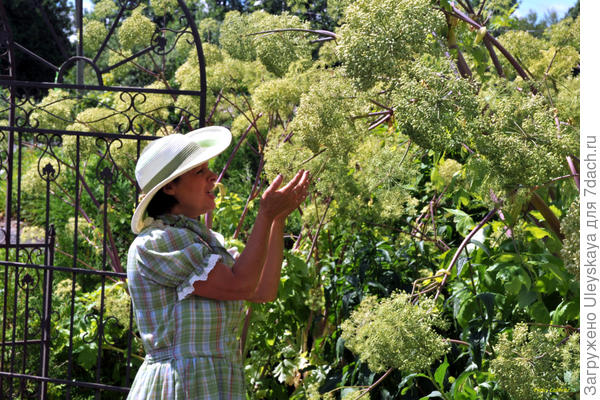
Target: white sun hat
[[171, 156]]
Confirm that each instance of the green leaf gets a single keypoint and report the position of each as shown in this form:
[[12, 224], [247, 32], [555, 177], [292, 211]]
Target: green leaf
[[565, 312], [526, 297], [339, 348], [539, 313], [481, 246], [488, 300], [435, 393], [440, 372], [514, 286], [537, 232], [407, 379], [478, 339], [462, 261], [87, 356], [508, 258], [468, 311], [458, 383], [464, 222]]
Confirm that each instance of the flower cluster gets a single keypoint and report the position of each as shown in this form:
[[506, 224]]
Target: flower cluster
[[522, 143], [567, 101], [136, 31], [565, 33], [209, 31], [104, 9], [382, 168], [540, 57], [434, 107], [233, 36], [393, 332], [162, 7], [123, 70], [117, 303], [275, 51], [94, 33], [380, 36], [277, 96], [55, 111], [324, 136], [448, 169], [529, 365]]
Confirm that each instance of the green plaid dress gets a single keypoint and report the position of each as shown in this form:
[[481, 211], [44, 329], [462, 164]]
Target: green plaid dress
[[191, 342]]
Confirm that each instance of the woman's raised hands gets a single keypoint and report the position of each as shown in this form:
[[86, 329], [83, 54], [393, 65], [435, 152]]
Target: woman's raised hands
[[280, 202]]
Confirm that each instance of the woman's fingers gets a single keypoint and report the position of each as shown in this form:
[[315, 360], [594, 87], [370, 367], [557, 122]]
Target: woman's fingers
[[275, 184], [294, 181], [283, 201]]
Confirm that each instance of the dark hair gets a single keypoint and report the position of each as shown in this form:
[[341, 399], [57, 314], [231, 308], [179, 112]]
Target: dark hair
[[161, 203]]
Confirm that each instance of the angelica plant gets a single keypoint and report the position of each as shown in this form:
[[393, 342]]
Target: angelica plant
[[136, 31], [530, 366], [434, 107], [388, 30], [521, 141], [394, 333], [55, 111]]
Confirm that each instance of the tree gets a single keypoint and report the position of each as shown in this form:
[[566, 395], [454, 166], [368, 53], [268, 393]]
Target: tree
[[49, 26]]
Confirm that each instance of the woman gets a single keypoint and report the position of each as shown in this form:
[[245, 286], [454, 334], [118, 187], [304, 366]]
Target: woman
[[187, 291]]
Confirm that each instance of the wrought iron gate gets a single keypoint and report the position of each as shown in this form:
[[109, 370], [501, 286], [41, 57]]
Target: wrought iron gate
[[67, 152]]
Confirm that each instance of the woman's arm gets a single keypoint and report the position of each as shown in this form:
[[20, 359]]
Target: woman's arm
[[264, 245], [269, 280]]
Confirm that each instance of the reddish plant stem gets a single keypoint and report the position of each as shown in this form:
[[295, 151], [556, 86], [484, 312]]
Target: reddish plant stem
[[459, 14], [253, 193], [574, 171], [568, 328], [316, 237], [463, 245], [374, 385], [493, 56], [559, 178], [113, 252], [214, 109], [463, 68], [379, 121], [480, 9], [237, 147], [79, 260], [259, 136], [327, 34], [553, 223]]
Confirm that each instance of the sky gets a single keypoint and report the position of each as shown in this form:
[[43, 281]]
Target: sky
[[541, 7]]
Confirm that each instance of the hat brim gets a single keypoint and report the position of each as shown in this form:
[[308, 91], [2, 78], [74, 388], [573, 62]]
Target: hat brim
[[214, 140]]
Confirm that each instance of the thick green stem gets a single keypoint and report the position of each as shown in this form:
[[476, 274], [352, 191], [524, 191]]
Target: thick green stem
[[107, 346], [553, 223]]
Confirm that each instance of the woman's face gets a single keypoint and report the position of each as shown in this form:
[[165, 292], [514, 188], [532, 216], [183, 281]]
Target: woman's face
[[193, 191]]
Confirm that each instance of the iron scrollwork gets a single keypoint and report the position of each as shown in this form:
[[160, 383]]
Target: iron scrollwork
[[82, 156]]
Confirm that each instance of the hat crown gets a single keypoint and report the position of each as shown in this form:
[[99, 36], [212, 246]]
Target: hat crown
[[157, 155]]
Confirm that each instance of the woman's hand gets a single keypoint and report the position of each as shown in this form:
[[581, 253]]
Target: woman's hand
[[279, 203], [256, 273]]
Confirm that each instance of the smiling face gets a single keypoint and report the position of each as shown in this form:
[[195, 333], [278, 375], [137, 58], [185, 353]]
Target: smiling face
[[193, 191]]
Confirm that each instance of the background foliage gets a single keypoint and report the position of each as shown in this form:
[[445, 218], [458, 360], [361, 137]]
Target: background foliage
[[437, 255]]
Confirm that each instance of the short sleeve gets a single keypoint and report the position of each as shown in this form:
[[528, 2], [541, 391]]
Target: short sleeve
[[174, 257]]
